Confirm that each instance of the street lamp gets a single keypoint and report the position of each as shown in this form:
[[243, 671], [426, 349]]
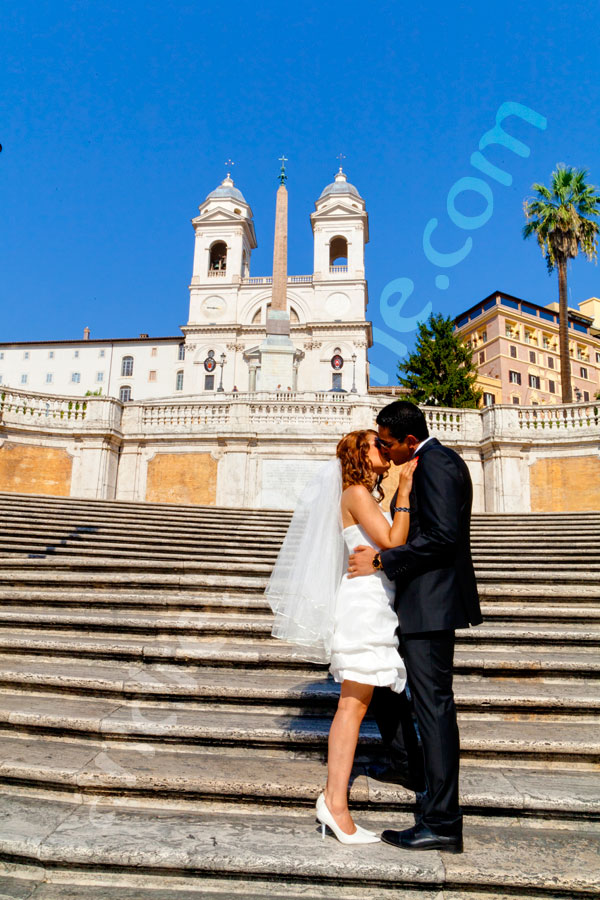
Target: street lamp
[[354, 391], [222, 363]]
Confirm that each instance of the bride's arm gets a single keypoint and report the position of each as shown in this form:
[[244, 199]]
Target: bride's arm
[[364, 509]]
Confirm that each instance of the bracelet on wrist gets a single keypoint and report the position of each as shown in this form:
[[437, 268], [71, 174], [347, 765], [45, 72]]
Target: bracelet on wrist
[[401, 509]]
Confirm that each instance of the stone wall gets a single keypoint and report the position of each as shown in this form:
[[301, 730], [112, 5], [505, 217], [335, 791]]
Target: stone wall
[[257, 450], [561, 485], [34, 469], [189, 478]]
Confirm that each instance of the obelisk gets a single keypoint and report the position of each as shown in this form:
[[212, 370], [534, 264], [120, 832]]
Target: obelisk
[[277, 350]]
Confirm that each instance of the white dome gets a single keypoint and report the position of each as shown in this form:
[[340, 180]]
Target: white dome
[[341, 185]]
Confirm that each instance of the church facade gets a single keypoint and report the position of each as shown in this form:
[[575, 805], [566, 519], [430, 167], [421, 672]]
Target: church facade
[[220, 346]]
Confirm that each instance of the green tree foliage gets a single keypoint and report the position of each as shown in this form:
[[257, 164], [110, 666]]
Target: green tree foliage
[[440, 371], [559, 218]]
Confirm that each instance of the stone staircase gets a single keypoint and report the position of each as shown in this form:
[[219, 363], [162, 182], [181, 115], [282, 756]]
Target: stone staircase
[[156, 742]]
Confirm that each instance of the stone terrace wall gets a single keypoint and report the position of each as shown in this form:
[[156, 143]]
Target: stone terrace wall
[[257, 450]]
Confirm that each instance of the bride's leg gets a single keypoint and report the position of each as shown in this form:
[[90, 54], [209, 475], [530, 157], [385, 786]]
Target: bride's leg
[[343, 737]]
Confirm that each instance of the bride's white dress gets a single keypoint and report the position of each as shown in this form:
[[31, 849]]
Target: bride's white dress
[[365, 646]]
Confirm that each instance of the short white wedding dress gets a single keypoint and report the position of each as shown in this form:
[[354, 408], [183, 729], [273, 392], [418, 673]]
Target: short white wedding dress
[[365, 646]]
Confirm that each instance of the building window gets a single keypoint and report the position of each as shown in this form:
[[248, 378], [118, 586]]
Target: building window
[[482, 356], [23, 379], [513, 351], [532, 356], [551, 387], [580, 353], [2, 355], [49, 377], [509, 330], [99, 376], [546, 342], [515, 401], [209, 382], [50, 354], [550, 362], [484, 336], [152, 375], [127, 367], [583, 372], [586, 396], [154, 351], [181, 352], [1, 382], [125, 394], [76, 354], [597, 357], [76, 377], [514, 377], [179, 380], [534, 381], [102, 354], [336, 381], [489, 399], [26, 354]]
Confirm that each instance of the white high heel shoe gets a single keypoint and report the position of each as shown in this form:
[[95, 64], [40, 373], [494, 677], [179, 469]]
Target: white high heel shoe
[[360, 836]]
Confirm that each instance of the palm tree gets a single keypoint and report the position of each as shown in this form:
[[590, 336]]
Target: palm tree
[[558, 217]]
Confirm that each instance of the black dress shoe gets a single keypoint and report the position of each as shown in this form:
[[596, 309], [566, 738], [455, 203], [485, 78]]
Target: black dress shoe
[[394, 776], [420, 837]]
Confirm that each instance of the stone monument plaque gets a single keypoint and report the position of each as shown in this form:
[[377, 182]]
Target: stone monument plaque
[[282, 480]]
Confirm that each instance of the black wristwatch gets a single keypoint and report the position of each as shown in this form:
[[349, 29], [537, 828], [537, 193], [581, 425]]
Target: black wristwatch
[[377, 562]]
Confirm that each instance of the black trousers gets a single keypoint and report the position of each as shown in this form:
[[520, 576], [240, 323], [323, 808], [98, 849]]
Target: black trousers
[[429, 659]]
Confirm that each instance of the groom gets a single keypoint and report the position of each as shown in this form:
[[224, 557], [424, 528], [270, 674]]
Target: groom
[[435, 594]]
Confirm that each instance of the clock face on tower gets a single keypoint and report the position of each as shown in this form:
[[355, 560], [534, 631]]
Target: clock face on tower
[[213, 307]]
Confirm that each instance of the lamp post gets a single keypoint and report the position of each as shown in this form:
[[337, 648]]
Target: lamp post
[[222, 363], [354, 391]]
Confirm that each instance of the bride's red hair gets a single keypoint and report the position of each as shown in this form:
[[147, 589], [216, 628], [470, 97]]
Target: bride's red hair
[[353, 453]]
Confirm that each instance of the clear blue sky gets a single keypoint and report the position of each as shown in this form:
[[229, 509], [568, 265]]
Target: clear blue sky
[[116, 120]]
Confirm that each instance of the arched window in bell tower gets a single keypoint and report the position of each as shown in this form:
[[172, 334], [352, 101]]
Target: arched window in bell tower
[[218, 257], [338, 254]]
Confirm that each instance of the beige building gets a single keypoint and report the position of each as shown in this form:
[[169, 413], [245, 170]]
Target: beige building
[[516, 349]]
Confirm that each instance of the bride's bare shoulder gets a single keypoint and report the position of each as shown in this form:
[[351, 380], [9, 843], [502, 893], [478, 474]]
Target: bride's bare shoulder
[[356, 496]]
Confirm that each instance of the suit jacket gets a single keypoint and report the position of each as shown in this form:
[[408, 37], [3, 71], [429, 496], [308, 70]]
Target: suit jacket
[[433, 571]]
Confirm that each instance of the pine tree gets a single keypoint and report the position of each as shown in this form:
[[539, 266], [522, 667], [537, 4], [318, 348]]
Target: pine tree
[[440, 371]]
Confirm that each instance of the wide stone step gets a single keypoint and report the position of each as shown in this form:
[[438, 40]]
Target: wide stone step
[[286, 848], [194, 774], [193, 623], [525, 660], [315, 689], [575, 606], [497, 735], [251, 576]]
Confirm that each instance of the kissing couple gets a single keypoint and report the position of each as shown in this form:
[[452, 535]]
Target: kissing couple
[[378, 596]]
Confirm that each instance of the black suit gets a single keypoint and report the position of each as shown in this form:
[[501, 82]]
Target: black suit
[[436, 592]]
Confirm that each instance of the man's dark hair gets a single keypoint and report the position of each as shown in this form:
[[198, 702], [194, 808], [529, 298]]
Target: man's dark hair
[[402, 418]]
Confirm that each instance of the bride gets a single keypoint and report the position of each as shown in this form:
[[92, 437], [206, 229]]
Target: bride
[[349, 623]]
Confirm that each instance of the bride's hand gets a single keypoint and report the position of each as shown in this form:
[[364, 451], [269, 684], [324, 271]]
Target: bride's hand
[[405, 478]]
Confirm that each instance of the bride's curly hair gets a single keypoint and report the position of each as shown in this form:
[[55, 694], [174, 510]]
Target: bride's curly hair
[[352, 451]]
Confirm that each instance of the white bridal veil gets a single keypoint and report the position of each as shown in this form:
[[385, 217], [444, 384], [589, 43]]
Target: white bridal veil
[[305, 581]]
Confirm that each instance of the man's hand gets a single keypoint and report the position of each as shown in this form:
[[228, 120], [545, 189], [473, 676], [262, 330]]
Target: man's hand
[[361, 561]]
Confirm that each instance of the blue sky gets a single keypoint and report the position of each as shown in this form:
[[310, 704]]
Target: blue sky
[[116, 122]]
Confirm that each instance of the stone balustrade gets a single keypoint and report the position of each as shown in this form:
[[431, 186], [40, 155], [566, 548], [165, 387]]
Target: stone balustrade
[[262, 410], [539, 457]]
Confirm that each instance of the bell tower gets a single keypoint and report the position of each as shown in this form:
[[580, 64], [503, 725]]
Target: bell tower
[[340, 230], [223, 246]]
